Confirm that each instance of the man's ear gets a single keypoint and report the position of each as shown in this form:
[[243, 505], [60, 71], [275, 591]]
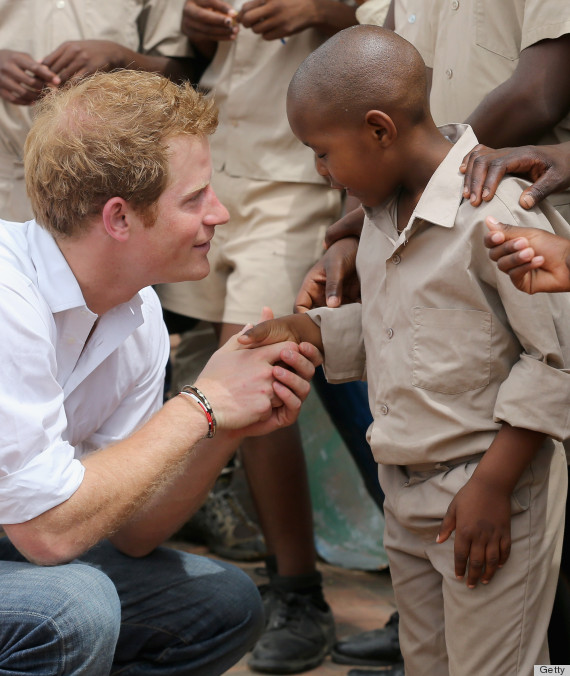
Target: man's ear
[[116, 218], [382, 126]]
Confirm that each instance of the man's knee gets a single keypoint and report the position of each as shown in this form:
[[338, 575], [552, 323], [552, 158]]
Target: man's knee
[[66, 616]]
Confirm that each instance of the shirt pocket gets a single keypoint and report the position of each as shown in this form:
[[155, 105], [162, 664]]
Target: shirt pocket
[[493, 22], [451, 350]]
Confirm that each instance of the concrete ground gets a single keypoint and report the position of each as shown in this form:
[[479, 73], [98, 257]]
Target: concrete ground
[[359, 600]]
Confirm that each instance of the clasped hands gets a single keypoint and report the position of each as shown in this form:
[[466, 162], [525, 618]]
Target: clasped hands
[[272, 19]]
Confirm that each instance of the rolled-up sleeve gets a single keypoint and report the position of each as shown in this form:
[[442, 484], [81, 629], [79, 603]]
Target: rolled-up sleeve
[[547, 409], [535, 394], [343, 341]]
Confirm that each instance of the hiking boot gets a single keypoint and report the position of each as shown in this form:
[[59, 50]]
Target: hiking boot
[[222, 524], [298, 635]]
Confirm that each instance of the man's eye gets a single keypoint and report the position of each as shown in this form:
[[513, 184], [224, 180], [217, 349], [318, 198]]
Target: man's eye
[[321, 156]]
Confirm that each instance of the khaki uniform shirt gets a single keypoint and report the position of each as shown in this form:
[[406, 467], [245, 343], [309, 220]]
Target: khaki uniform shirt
[[37, 27], [449, 346], [474, 45], [407, 15], [249, 78]]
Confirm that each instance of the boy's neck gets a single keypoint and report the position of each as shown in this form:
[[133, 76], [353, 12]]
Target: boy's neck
[[426, 150]]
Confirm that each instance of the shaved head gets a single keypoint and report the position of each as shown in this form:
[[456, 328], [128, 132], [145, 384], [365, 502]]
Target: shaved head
[[360, 69]]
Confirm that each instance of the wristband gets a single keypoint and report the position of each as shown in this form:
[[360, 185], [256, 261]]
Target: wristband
[[200, 398]]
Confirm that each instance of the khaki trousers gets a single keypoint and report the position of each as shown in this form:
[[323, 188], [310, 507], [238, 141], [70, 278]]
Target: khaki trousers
[[497, 629]]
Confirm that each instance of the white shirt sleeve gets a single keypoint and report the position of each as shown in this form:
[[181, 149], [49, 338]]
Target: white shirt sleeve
[[37, 465]]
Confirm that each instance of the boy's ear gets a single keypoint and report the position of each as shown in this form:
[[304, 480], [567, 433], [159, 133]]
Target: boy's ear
[[116, 219], [382, 126]]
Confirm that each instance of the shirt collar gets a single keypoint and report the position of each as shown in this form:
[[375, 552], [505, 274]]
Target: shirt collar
[[56, 281], [58, 285], [444, 192]]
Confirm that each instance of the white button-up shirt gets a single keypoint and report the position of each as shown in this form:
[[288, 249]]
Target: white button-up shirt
[[64, 393]]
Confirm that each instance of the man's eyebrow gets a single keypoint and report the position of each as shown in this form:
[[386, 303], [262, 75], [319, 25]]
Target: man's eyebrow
[[196, 189]]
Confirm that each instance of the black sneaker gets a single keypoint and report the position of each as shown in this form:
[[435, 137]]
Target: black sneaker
[[298, 635]]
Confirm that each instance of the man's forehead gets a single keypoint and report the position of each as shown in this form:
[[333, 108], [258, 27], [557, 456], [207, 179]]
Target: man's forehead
[[189, 165]]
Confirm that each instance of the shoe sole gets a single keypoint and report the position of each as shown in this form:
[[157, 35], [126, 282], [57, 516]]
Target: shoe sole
[[340, 658], [271, 667]]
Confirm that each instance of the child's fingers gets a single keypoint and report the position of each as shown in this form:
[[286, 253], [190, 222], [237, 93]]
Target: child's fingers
[[256, 335], [492, 559], [447, 525], [505, 550], [477, 561], [461, 556]]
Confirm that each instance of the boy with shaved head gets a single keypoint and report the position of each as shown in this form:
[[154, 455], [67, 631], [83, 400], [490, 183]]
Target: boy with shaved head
[[466, 376]]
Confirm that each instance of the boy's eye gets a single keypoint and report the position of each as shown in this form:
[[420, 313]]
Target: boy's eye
[[321, 156]]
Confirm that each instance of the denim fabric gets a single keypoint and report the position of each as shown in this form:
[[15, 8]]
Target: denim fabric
[[167, 614]]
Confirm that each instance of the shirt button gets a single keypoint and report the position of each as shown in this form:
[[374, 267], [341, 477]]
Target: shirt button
[[60, 4], [455, 4], [384, 409], [449, 73], [412, 18], [390, 333], [396, 259]]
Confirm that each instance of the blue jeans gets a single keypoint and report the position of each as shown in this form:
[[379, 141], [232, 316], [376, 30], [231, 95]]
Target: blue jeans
[[170, 613]]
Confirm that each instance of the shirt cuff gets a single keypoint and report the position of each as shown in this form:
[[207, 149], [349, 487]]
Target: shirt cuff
[[343, 342], [49, 479], [546, 406]]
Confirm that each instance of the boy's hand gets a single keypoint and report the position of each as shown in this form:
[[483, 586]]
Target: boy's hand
[[209, 20], [480, 515], [536, 261], [22, 78], [274, 19], [76, 58], [332, 280], [296, 328]]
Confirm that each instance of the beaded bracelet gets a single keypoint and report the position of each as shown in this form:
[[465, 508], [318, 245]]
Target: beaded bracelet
[[200, 398]]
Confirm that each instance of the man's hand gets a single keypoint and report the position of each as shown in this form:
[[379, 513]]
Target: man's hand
[[333, 279], [84, 57], [548, 167], [22, 79], [480, 514], [535, 260], [274, 19], [211, 20], [256, 391]]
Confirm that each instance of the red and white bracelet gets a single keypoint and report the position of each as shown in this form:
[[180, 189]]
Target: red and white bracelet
[[200, 398]]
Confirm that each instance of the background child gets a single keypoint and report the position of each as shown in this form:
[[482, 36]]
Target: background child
[[465, 373]]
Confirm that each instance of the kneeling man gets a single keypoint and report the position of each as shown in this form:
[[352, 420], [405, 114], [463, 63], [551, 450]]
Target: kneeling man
[[94, 472]]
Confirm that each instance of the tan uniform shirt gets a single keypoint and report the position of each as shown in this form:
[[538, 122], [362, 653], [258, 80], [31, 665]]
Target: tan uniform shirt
[[452, 347], [474, 45], [407, 15], [37, 27], [249, 78]]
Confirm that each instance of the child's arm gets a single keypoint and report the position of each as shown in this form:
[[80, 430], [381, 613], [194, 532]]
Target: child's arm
[[536, 260], [298, 328], [480, 513]]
